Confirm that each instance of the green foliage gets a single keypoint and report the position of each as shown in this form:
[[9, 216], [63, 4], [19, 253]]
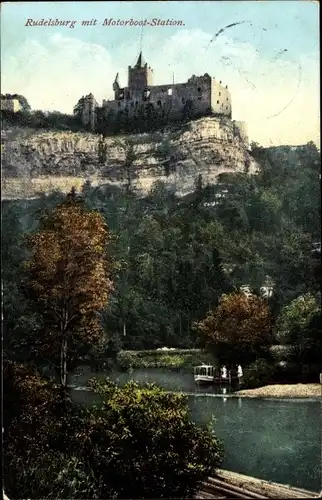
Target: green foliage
[[179, 255], [53, 475], [259, 373], [51, 120], [296, 317], [299, 326], [159, 451], [176, 359], [139, 443]]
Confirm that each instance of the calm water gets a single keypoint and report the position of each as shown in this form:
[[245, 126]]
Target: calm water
[[272, 439]]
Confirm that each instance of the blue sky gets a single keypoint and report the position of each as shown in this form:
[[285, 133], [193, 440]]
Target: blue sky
[[270, 61]]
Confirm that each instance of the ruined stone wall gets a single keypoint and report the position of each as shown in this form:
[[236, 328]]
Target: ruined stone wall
[[199, 96], [12, 105], [176, 101], [220, 98], [88, 113]]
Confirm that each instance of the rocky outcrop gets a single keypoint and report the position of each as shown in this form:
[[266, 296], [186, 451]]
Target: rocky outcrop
[[177, 156]]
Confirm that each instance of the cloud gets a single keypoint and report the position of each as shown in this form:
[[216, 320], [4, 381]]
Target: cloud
[[55, 74]]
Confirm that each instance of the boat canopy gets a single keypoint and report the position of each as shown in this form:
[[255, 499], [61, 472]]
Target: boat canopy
[[207, 370]]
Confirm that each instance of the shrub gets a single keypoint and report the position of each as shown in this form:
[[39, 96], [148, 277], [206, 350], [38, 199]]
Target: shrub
[[176, 359], [144, 445], [49, 475], [140, 443], [125, 360], [259, 373]]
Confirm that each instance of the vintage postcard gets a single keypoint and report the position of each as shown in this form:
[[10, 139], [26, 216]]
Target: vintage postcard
[[161, 249]]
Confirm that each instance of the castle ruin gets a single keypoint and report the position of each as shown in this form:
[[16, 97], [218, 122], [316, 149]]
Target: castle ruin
[[199, 96]]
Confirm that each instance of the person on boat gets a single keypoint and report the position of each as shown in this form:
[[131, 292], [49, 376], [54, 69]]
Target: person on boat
[[224, 372], [239, 371]]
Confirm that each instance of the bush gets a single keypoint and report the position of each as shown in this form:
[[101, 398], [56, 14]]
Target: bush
[[125, 360], [148, 447], [176, 359], [259, 373], [49, 475], [140, 443]]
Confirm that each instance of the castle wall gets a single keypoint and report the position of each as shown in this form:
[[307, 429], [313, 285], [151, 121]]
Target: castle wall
[[220, 98], [12, 105], [199, 96], [88, 113], [192, 98]]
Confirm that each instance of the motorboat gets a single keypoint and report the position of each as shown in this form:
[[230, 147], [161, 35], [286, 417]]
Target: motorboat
[[204, 374]]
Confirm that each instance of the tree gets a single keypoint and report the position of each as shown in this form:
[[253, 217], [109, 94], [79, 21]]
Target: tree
[[25, 106], [68, 278], [239, 329], [298, 326], [78, 108]]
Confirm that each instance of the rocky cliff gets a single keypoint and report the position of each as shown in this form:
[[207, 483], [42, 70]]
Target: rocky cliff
[[35, 160]]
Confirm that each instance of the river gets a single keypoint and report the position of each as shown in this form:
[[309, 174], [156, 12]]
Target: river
[[274, 439]]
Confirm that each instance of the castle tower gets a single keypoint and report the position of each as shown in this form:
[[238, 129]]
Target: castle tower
[[140, 76], [116, 87], [89, 112]]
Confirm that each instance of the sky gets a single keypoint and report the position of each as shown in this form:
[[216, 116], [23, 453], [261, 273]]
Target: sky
[[269, 59]]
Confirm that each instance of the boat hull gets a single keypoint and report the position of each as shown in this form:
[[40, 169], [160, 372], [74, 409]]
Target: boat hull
[[204, 380]]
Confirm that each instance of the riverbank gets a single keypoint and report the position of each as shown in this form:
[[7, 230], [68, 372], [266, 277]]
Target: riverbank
[[171, 359], [283, 391]]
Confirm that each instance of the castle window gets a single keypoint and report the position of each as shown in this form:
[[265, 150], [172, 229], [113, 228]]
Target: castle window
[[136, 104], [199, 89], [219, 93], [217, 102], [183, 100], [159, 103], [169, 91], [199, 98], [226, 98], [146, 95]]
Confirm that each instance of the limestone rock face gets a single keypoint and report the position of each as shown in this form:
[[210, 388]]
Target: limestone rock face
[[177, 156]]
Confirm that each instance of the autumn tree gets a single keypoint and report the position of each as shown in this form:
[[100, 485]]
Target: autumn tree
[[239, 329], [68, 278]]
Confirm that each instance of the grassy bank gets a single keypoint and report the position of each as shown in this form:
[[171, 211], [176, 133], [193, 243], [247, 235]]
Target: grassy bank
[[177, 359]]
